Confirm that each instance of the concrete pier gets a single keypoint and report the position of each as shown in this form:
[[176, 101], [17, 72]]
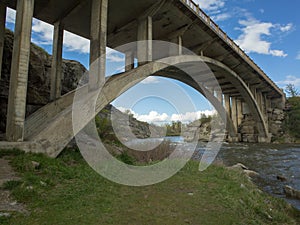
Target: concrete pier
[[129, 61], [98, 42], [19, 71], [56, 69], [2, 32], [144, 38]]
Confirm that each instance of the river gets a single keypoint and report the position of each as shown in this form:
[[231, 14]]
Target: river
[[269, 160]]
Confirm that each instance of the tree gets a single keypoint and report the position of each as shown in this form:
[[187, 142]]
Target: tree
[[291, 90]]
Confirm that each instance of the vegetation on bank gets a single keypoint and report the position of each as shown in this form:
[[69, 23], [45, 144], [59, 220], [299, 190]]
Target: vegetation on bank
[[67, 191], [292, 120]]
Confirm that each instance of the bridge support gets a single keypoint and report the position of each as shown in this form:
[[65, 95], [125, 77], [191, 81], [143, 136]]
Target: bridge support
[[234, 113], [56, 68], [98, 41], [176, 50], [129, 61], [19, 71], [2, 32], [144, 37]]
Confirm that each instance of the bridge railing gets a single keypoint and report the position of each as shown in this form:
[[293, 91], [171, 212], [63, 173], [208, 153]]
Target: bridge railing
[[205, 18]]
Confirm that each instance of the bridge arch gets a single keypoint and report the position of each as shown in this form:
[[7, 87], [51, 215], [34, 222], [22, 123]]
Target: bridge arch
[[59, 133], [118, 84]]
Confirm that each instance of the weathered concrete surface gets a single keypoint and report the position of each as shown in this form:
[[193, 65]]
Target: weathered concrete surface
[[16, 109], [56, 66]]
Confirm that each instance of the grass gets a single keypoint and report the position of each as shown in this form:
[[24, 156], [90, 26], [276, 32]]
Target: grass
[[67, 191]]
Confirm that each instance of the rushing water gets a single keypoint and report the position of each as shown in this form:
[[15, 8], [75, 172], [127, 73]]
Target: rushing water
[[269, 160]]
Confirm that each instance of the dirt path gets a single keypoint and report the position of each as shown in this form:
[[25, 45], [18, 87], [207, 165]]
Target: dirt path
[[7, 204]]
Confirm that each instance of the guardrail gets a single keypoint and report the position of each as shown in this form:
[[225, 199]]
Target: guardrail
[[205, 18]]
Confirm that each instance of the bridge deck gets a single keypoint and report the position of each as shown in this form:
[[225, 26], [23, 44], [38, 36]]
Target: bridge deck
[[201, 34]]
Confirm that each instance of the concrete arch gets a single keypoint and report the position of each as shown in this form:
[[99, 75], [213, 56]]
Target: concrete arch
[[153, 68], [58, 133]]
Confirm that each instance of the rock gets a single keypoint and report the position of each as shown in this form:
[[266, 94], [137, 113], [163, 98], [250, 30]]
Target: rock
[[251, 173], [281, 178], [239, 166], [291, 192], [5, 214], [36, 165]]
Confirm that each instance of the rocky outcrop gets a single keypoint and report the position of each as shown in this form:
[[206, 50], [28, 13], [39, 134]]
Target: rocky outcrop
[[38, 93], [126, 126]]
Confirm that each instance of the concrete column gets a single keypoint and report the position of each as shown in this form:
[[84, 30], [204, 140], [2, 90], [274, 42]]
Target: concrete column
[[144, 37], [98, 39], [253, 90], [19, 71], [239, 112], [220, 96], [227, 104], [2, 32], [129, 61], [234, 112], [259, 99], [176, 50], [56, 68]]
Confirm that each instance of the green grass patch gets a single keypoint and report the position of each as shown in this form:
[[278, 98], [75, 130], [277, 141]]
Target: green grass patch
[[67, 191]]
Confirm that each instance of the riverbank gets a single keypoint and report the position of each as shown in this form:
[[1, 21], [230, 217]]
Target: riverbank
[[67, 191]]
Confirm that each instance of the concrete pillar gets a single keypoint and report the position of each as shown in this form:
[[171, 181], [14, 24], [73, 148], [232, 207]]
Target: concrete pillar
[[144, 37], [129, 61], [239, 108], [2, 32], [234, 112], [253, 90], [98, 40], [220, 96], [56, 68], [177, 49], [227, 104], [259, 99], [19, 71]]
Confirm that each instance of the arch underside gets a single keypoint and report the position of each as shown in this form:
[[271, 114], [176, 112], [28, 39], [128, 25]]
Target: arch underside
[[59, 132]]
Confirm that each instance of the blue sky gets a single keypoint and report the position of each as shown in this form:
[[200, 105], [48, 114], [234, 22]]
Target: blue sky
[[268, 30]]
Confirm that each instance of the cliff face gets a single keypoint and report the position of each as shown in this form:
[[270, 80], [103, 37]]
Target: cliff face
[[38, 92]]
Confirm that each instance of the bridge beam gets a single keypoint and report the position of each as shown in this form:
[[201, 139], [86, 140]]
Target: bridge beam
[[2, 32], [98, 41], [144, 37], [56, 68], [19, 71]]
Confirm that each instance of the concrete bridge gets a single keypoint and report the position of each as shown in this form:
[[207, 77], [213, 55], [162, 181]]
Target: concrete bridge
[[245, 90]]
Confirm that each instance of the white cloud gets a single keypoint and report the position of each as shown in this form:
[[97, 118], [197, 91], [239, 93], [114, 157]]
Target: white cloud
[[251, 40], [10, 15], [221, 17], [191, 116], [114, 56], [298, 56], [290, 80], [155, 117], [210, 5], [150, 80], [286, 28]]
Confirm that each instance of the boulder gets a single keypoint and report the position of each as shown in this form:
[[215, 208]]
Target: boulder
[[291, 192]]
